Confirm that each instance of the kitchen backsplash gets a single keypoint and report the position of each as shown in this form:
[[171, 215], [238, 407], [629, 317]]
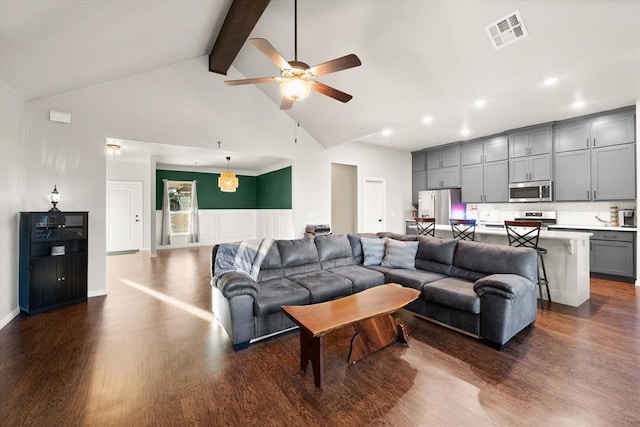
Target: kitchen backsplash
[[578, 213]]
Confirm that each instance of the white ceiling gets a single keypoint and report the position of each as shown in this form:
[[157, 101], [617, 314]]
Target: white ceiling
[[419, 58]]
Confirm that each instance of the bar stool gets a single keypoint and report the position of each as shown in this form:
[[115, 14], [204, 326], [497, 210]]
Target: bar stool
[[526, 234], [426, 226], [463, 229]]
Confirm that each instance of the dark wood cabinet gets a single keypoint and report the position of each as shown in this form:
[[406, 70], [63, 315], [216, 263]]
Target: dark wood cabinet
[[53, 260]]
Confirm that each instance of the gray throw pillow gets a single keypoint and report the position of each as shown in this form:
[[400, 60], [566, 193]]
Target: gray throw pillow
[[400, 254], [373, 249]]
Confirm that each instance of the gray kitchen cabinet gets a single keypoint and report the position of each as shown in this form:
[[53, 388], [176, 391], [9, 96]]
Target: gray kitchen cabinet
[[530, 142], [613, 253], [573, 176], [443, 178], [599, 131], [419, 161], [531, 168], [443, 157], [496, 182], [486, 182], [613, 129], [613, 172], [443, 167], [572, 135], [485, 150], [418, 183]]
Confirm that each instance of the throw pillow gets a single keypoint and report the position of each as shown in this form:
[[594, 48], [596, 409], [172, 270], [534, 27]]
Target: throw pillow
[[373, 249], [400, 254]]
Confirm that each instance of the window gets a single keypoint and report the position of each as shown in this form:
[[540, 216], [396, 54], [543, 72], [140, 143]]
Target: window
[[179, 206]]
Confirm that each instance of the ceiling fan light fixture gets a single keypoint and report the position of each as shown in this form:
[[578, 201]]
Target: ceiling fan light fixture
[[295, 88]]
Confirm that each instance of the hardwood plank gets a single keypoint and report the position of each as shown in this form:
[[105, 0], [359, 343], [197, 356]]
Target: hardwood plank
[[132, 359]]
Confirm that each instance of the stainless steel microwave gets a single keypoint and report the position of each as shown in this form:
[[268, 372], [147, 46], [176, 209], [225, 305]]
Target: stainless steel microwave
[[531, 191]]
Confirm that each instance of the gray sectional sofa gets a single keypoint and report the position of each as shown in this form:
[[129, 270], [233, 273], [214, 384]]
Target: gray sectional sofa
[[482, 289]]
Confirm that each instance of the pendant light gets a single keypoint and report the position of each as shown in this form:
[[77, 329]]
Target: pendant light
[[228, 182]]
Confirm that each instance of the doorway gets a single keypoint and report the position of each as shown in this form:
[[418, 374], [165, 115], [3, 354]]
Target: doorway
[[344, 198], [124, 216], [374, 206]]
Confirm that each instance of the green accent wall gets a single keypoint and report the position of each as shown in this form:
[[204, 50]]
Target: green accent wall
[[274, 189], [269, 191]]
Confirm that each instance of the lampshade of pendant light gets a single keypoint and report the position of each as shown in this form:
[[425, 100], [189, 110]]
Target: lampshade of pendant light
[[228, 182]]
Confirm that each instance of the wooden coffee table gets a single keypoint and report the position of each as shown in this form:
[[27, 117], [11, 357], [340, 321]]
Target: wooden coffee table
[[370, 313]]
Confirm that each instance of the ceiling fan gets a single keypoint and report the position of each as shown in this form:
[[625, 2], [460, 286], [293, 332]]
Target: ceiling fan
[[296, 78]]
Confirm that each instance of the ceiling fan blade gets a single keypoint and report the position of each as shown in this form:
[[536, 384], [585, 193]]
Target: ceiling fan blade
[[238, 24], [270, 52], [250, 81], [339, 64], [332, 92], [286, 103]]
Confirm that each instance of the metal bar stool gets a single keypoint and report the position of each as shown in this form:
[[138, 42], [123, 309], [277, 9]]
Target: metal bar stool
[[463, 229], [426, 226], [526, 234]]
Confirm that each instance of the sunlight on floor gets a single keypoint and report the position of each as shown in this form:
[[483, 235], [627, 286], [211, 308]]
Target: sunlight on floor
[[205, 315]]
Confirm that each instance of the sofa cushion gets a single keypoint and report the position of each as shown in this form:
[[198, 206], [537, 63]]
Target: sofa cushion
[[373, 249], [334, 250], [399, 254], [453, 292], [410, 278], [435, 254], [356, 247], [396, 236], [474, 260], [271, 268], [278, 292], [361, 278], [298, 256], [323, 285]]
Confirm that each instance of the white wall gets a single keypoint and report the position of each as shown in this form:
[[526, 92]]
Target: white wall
[[118, 170], [312, 183], [13, 179]]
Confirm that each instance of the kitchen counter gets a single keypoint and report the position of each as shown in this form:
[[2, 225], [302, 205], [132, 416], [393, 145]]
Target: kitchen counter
[[593, 227], [567, 259]]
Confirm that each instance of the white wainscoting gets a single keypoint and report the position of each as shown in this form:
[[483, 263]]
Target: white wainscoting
[[232, 225]]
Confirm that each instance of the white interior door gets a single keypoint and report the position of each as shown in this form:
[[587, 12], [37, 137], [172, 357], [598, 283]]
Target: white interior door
[[124, 215], [374, 220]]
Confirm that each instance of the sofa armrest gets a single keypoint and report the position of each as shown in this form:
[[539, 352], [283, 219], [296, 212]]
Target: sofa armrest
[[505, 285], [235, 283]]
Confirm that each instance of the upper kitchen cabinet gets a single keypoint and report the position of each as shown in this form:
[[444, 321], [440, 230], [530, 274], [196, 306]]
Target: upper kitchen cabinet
[[599, 131], [418, 184], [443, 157], [613, 129], [530, 142], [419, 161], [485, 150], [443, 166]]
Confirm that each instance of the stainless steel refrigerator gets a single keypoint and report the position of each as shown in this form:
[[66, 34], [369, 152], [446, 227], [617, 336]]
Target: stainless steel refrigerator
[[441, 205]]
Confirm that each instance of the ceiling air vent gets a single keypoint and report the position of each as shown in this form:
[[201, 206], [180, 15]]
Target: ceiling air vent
[[506, 30]]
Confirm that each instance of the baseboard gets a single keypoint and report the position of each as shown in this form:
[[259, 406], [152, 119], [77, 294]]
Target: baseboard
[[9, 317], [98, 293]]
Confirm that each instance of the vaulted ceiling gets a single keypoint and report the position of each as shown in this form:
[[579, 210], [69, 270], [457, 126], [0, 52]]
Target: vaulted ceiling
[[419, 58]]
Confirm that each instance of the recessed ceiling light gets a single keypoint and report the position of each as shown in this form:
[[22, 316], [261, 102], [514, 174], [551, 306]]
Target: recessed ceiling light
[[550, 81], [427, 119], [465, 131], [386, 131], [480, 103], [577, 105]]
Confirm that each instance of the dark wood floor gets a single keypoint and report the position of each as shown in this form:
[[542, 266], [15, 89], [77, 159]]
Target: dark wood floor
[[150, 354]]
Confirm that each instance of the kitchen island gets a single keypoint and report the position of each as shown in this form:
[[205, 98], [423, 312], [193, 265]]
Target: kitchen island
[[567, 260]]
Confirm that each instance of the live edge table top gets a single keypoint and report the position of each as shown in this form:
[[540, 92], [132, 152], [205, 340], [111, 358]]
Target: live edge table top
[[321, 318]]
